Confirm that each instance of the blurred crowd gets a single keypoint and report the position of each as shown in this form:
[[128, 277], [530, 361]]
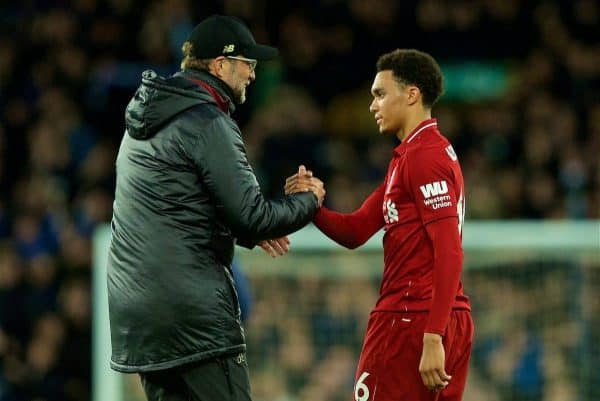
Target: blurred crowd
[[68, 68]]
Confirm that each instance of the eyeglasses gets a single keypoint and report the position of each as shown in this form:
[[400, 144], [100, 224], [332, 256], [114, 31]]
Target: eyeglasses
[[251, 62]]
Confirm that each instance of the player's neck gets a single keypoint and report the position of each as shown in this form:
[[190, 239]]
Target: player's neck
[[412, 122]]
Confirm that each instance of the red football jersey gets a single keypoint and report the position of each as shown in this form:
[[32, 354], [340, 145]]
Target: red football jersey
[[423, 188]]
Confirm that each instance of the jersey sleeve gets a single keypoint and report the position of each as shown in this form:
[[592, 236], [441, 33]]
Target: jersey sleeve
[[447, 267], [353, 229], [434, 185]]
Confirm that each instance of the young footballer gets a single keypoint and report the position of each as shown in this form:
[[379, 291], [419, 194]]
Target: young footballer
[[418, 340]]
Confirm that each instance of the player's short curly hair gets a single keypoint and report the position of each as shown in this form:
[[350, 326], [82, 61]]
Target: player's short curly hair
[[414, 67], [190, 62]]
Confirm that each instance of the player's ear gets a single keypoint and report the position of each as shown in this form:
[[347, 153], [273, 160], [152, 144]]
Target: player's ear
[[413, 94]]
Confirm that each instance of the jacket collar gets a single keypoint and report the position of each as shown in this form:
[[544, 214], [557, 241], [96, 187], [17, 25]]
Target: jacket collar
[[220, 87]]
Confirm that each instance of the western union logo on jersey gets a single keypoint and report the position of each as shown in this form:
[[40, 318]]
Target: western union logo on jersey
[[436, 195], [434, 189]]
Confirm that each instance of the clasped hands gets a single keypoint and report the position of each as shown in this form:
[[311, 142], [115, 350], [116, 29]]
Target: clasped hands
[[302, 181]]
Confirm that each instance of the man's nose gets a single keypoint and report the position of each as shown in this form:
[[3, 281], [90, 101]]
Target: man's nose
[[372, 107]]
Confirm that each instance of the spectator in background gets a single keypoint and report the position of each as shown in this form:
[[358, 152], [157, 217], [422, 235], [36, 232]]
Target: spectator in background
[[185, 195]]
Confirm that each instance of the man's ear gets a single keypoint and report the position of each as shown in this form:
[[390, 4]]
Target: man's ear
[[413, 94], [216, 67]]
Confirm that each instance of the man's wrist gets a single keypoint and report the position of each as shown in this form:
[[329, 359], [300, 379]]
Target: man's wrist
[[432, 338]]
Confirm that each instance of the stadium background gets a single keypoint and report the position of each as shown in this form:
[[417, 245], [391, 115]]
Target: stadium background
[[522, 110]]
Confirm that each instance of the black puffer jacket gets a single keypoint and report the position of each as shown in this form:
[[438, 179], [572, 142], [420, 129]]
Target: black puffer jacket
[[185, 193]]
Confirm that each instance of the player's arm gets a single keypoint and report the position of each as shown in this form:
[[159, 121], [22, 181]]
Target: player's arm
[[353, 229], [447, 268], [436, 192]]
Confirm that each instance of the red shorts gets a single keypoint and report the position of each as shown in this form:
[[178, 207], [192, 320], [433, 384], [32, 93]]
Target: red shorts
[[388, 369]]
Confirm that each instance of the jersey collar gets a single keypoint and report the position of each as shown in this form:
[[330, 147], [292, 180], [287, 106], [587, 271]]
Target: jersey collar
[[424, 126]]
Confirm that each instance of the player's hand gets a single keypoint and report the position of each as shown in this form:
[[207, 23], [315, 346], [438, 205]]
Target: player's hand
[[276, 247], [431, 367], [303, 181]]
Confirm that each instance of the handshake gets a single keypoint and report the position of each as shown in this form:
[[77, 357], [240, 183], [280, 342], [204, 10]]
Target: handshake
[[302, 181]]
